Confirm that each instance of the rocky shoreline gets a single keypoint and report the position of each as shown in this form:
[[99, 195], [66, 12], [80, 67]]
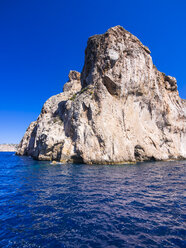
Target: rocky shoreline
[[119, 109], [8, 147]]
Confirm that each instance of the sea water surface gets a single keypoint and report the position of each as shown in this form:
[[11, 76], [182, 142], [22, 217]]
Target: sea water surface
[[78, 205]]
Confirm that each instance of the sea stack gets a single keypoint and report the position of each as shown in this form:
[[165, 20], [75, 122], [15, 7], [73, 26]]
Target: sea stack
[[119, 109]]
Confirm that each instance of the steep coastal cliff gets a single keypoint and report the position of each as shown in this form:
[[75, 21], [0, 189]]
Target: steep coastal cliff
[[119, 109]]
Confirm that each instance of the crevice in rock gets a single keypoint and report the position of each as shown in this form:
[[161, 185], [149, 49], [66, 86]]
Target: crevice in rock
[[139, 153], [113, 88]]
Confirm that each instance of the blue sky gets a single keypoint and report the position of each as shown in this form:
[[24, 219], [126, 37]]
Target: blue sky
[[41, 40]]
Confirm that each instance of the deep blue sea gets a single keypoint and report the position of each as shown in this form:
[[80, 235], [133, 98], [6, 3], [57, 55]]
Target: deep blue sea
[[77, 205]]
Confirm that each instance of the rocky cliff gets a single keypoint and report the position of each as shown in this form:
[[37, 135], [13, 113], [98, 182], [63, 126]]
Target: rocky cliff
[[119, 109]]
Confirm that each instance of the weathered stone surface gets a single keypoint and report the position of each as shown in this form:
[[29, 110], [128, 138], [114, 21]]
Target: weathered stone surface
[[74, 83], [120, 109]]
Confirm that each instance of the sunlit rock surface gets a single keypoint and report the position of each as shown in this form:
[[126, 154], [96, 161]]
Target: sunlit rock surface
[[119, 109]]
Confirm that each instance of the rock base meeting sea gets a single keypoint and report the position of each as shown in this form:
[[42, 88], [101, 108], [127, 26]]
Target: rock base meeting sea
[[119, 109]]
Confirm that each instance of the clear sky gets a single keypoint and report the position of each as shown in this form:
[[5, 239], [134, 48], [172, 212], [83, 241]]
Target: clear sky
[[41, 40]]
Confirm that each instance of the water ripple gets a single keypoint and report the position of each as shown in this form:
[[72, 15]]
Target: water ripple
[[44, 205]]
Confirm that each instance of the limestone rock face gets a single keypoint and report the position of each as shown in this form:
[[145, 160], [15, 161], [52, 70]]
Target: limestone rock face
[[119, 109], [74, 83]]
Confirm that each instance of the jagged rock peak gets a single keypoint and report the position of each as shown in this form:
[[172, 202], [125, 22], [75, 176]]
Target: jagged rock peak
[[120, 31], [74, 75], [119, 109], [109, 49], [74, 83]]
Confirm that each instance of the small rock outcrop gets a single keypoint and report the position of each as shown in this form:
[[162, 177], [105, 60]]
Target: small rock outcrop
[[119, 109]]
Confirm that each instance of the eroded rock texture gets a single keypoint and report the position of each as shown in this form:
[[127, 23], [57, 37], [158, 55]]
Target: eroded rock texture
[[120, 109]]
